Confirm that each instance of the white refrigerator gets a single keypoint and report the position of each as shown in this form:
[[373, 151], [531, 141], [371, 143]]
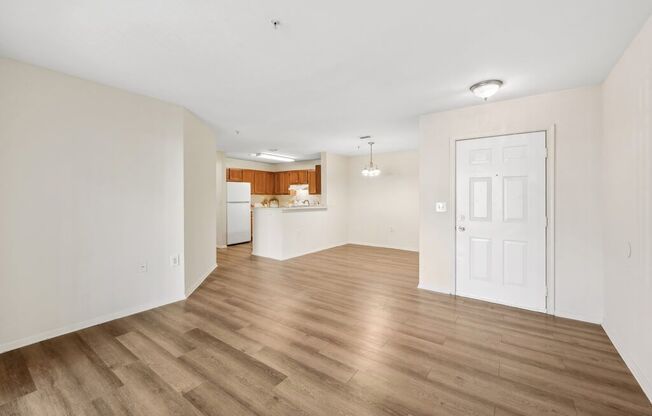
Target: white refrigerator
[[238, 212]]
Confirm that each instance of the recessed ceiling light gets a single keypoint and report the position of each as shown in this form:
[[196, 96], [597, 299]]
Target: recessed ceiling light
[[485, 89], [271, 156]]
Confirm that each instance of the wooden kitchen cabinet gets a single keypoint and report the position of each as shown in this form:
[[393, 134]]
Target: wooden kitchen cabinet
[[303, 177], [269, 183], [248, 176], [293, 177], [314, 181], [285, 183], [260, 183], [234, 175], [276, 183]]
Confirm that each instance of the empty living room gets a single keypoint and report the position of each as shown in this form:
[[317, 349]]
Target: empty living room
[[362, 207]]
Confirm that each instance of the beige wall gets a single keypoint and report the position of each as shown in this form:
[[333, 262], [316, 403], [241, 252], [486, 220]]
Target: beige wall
[[248, 164], [627, 206], [384, 211], [270, 167], [200, 200], [220, 172], [577, 116], [92, 184]]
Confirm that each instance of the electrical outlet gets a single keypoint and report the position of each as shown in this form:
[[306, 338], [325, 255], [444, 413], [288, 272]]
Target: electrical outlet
[[441, 207], [175, 260], [142, 268]]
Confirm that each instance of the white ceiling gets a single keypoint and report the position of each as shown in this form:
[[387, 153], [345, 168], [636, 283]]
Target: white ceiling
[[333, 70]]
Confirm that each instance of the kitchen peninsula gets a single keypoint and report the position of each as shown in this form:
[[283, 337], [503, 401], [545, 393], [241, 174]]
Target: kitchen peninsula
[[297, 208], [283, 233]]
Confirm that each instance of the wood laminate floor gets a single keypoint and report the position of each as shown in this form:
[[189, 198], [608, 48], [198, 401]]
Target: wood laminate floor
[[339, 332]]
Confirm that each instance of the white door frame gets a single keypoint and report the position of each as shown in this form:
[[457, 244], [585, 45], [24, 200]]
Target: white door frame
[[550, 133]]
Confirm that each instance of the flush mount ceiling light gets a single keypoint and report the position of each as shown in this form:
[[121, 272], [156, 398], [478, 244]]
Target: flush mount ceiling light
[[272, 156], [485, 89], [371, 169]]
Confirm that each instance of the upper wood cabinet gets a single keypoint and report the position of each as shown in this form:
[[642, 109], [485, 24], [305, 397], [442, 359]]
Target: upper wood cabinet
[[298, 177], [276, 183], [248, 176], [312, 182], [293, 177], [269, 183], [303, 177], [260, 182], [284, 183], [318, 178], [234, 175]]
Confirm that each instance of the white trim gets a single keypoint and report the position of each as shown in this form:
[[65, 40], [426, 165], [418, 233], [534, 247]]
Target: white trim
[[634, 367], [551, 140], [221, 246], [200, 281], [434, 289], [32, 339], [509, 305], [550, 133], [301, 253], [383, 246], [579, 317]]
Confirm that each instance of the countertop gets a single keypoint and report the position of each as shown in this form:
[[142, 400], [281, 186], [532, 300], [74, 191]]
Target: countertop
[[291, 209]]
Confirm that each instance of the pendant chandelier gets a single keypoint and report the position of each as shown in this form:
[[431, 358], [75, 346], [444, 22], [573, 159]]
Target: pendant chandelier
[[371, 169]]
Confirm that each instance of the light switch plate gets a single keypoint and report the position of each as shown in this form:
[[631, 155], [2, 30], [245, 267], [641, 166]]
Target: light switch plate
[[441, 207]]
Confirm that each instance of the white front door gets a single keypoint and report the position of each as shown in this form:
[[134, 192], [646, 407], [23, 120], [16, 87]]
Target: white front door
[[501, 219]]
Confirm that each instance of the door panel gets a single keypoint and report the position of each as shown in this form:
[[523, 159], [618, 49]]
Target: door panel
[[501, 219]]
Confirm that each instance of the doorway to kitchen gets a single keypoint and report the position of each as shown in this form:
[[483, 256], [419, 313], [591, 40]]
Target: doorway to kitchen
[[500, 219]]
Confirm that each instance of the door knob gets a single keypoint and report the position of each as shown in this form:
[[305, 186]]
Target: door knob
[[461, 228]]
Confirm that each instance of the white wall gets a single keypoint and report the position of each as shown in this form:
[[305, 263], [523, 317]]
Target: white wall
[[577, 116], [200, 200], [384, 211], [92, 185], [248, 164], [270, 167], [91, 179], [627, 206], [334, 195]]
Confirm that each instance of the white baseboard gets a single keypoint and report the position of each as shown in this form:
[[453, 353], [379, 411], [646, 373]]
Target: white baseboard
[[630, 361], [424, 286], [578, 317], [221, 246], [383, 246], [200, 281], [303, 253], [32, 339]]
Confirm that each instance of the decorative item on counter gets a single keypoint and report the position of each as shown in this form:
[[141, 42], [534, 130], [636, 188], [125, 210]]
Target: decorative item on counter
[[265, 202], [273, 203]]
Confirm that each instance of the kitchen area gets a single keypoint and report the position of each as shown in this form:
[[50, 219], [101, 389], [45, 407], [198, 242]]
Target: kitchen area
[[267, 205]]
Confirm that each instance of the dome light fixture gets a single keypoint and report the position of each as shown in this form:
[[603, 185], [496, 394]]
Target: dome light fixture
[[371, 169], [485, 89]]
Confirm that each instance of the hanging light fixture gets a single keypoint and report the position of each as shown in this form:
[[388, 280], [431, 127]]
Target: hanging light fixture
[[371, 169]]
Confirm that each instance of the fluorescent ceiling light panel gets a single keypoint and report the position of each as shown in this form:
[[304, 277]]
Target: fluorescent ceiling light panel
[[271, 156]]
